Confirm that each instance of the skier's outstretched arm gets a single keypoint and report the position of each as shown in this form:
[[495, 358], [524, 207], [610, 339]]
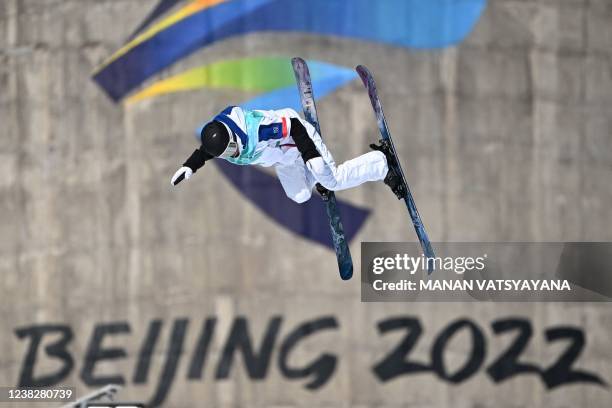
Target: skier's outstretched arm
[[191, 165]]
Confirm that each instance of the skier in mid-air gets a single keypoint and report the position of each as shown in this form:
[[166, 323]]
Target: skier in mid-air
[[282, 139]]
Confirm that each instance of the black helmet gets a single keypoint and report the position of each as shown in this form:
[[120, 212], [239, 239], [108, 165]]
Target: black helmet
[[218, 140]]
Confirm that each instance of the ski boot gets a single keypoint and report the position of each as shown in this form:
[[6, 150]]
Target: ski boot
[[393, 178], [323, 192]]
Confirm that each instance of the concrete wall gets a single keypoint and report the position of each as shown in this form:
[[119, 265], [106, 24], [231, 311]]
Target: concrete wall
[[505, 137]]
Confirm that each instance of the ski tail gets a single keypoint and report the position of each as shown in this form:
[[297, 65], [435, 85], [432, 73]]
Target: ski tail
[[343, 254], [370, 85]]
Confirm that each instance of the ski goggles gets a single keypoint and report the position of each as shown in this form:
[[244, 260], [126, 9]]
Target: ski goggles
[[234, 146]]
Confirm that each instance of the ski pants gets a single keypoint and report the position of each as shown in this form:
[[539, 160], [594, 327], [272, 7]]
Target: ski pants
[[315, 164]]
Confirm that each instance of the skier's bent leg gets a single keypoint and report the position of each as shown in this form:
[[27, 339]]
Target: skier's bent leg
[[371, 166]]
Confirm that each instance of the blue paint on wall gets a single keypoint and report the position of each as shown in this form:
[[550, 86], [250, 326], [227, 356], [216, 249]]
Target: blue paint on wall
[[160, 8], [421, 24]]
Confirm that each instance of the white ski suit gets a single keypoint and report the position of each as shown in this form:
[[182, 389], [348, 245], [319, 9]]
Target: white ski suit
[[265, 139]]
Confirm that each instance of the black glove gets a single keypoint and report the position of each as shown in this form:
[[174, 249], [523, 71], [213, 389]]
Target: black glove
[[197, 159], [191, 165]]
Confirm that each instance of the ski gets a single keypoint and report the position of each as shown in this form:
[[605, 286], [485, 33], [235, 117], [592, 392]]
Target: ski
[[343, 254], [368, 82]]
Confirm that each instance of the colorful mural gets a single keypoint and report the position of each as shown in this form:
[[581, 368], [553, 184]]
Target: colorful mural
[[171, 32], [404, 23]]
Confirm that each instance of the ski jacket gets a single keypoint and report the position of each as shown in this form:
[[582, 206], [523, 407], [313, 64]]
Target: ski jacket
[[264, 135]]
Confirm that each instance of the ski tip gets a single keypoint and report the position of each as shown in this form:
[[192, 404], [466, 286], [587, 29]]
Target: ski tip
[[297, 60], [346, 274], [364, 73], [345, 264]]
